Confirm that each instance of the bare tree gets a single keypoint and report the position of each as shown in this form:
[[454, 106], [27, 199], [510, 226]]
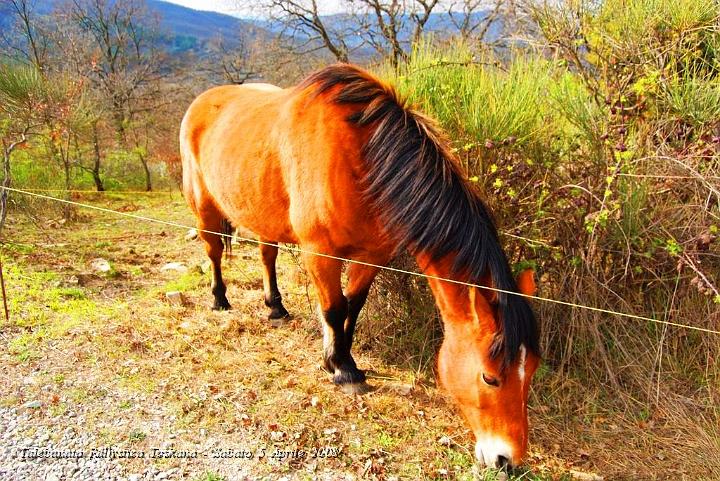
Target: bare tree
[[118, 40], [420, 16], [28, 38], [302, 22], [125, 58], [468, 17], [232, 62], [383, 22], [390, 27]]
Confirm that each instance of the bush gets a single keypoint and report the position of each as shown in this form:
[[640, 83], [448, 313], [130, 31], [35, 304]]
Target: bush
[[601, 162]]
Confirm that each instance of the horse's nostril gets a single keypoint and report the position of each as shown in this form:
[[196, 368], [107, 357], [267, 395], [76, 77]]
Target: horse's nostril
[[502, 462]]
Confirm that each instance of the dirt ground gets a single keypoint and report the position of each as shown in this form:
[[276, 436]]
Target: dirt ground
[[95, 360]]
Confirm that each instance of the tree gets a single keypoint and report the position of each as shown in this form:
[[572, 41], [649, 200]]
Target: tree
[[231, 62], [389, 22], [39, 100], [304, 25], [28, 40], [470, 19], [19, 88], [119, 40], [389, 27], [125, 58]]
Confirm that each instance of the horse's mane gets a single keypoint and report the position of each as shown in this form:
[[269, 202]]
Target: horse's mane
[[414, 182]]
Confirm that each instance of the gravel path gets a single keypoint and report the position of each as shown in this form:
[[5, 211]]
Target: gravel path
[[33, 447], [38, 456]]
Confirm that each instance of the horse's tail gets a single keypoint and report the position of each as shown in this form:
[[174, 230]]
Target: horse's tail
[[227, 233]]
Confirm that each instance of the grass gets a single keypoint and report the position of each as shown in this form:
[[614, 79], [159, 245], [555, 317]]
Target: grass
[[231, 376]]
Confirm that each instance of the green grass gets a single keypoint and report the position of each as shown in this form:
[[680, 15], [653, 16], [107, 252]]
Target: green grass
[[233, 375], [210, 476], [474, 98]]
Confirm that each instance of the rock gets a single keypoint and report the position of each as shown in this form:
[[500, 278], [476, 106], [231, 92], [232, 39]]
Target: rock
[[175, 298], [32, 405], [174, 267], [205, 266], [100, 265], [403, 389], [445, 441], [192, 234]]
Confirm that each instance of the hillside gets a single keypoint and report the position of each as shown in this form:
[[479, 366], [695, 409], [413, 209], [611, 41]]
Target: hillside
[[183, 29]]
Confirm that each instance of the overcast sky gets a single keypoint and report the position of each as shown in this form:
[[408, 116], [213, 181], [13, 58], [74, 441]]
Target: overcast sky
[[244, 8]]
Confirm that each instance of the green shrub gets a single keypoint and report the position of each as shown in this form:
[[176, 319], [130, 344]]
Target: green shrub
[[600, 162]]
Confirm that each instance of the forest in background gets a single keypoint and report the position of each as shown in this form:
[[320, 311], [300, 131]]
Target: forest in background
[[592, 129]]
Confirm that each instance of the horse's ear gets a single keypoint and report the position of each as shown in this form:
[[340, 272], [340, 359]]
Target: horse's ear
[[482, 311], [526, 282]]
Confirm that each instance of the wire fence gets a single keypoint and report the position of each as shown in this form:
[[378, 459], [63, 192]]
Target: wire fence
[[300, 250]]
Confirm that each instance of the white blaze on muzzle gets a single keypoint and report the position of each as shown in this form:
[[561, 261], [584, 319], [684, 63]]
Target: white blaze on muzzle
[[490, 449]]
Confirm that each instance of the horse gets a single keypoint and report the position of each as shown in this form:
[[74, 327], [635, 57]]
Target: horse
[[341, 166]]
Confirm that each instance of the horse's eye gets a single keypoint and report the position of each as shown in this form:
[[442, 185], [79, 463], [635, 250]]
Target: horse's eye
[[490, 381]]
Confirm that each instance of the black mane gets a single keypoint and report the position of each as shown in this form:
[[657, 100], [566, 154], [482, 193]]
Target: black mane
[[415, 183]]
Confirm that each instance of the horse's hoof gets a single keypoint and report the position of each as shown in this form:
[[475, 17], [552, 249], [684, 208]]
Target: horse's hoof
[[356, 388], [221, 306], [278, 313], [348, 376]]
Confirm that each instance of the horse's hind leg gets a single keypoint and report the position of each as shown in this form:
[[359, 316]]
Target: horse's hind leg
[[360, 278], [325, 274], [273, 299], [210, 219]]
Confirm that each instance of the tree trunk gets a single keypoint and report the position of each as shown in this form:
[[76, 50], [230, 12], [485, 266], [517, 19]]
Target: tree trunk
[[7, 152], [96, 165], [67, 209], [5, 183], [148, 183], [119, 116]]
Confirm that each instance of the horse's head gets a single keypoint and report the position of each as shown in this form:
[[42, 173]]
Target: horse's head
[[492, 394]]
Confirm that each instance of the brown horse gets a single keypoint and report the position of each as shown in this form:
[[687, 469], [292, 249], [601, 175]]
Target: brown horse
[[339, 165]]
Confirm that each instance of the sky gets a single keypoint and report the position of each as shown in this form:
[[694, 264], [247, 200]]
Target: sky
[[245, 8]]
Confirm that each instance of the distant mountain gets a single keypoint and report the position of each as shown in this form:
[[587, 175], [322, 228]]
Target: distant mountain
[[189, 29], [182, 29], [439, 23]]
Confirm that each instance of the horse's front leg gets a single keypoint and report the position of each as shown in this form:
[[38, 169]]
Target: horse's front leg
[[325, 275]]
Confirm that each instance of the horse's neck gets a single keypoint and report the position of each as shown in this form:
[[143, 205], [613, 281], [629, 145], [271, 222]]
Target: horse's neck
[[451, 297]]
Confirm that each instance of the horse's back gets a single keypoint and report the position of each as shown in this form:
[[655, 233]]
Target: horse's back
[[280, 163]]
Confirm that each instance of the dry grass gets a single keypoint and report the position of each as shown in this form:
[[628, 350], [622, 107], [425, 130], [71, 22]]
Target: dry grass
[[149, 373]]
